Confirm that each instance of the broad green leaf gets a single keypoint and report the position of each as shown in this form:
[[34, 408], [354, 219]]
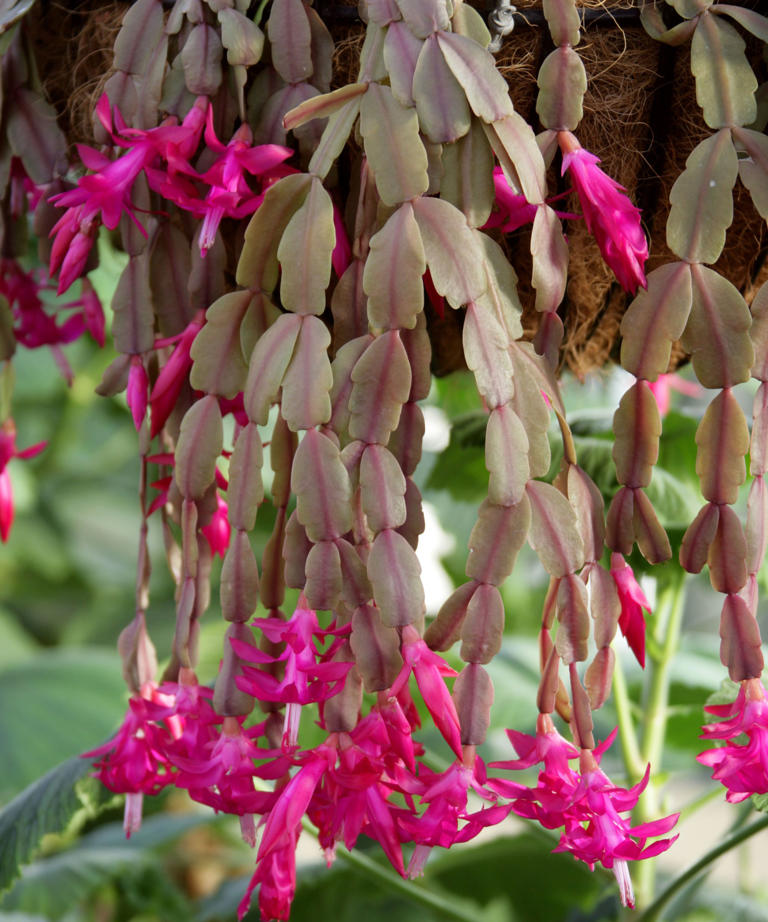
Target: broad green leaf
[[334, 138], [467, 181], [717, 332], [475, 69], [305, 400], [305, 253], [392, 278], [636, 427], [753, 169], [290, 39], [725, 82], [496, 539], [723, 440], [201, 60], [269, 360], [381, 384], [453, 254], [514, 144], [322, 106], [258, 266], [218, 363], [563, 21], [483, 628], [34, 135], [47, 806], [133, 321], [323, 491], [423, 17], [702, 201], [441, 104], [655, 319], [198, 447], [506, 456], [748, 19], [466, 20], [554, 534], [382, 488], [653, 23], [242, 38], [562, 83], [35, 733], [500, 296], [401, 52], [245, 490], [395, 574], [393, 146], [473, 697], [486, 350], [550, 259]]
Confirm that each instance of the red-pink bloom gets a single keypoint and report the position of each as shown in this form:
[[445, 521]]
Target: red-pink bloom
[[137, 391], [610, 216], [173, 375], [512, 209], [8, 452], [633, 601], [429, 670], [217, 531], [663, 386], [742, 767]]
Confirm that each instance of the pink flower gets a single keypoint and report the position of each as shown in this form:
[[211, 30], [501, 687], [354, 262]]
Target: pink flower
[[663, 386], [633, 601], [512, 209], [741, 767], [8, 452], [429, 670], [137, 391], [585, 803], [217, 531], [173, 375], [610, 216]]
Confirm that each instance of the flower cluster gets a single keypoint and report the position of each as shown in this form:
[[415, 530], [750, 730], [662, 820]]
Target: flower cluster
[[586, 803], [741, 765]]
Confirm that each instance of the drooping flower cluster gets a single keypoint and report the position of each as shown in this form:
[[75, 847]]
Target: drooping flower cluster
[[586, 803], [741, 765]]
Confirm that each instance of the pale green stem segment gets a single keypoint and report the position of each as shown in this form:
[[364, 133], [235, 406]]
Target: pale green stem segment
[[654, 912], [644, 747], [449, 907]]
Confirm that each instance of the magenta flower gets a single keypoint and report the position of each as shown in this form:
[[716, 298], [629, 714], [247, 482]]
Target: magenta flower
[[429, 670], [217, 531], [742, 767], [663, 386], [585, 803], [512, 209], [610, 216], [173, 374], [633, 601], [137, 392], [8, 452]]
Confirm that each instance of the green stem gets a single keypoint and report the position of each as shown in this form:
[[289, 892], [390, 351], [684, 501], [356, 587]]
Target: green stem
[[449, 908], [653, 912], [630, 749]]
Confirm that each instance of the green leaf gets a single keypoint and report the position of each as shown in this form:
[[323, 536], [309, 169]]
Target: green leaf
[[269, 360], [308, 378], [381, 384], [395, 574], [550, 259], [34, 135], [717, 332], [702, 201], [393, 146], [554, 534], [423, 17], [486, 350], [444, 115], [323, 491], [725, 82], [290, 39], [35, 731], [393, 272], [514, 143], [475, 69], [219, 366], [454, 257], [653, 23], [305, 253], [242, 38], [334, 138], [748, 19], [401, 52], [322, 106], [562, 83], [753, 169], [655, 319], [258, 266], [47, 806], [467, 181], [201, 60], [133, 321], [723, 440]]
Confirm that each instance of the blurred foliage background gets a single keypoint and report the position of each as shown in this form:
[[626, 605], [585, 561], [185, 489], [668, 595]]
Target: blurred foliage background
[[66, 590]]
